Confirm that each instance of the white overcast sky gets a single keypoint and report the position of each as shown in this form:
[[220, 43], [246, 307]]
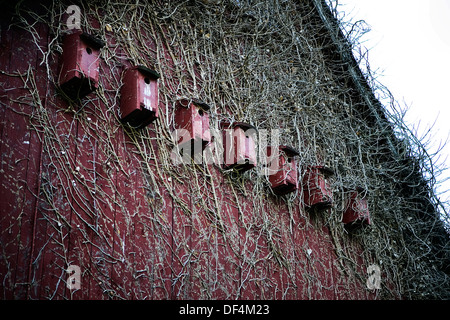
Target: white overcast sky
[[409, 43]]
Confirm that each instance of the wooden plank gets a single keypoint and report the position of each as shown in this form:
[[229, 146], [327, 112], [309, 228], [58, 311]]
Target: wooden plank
[[280, 282], [203, 229], [162, 224], [320, 271], [183, 213], [101, 255], [144, 243], [147, 207], [301, 262], [20, 149], [6, 272], [255, 253], [324, 264], [34, 167], [106, 172], [225, 246], [84, 218], [51, 251], [106, 169], [123, 234], [13, 167], [287, 246]]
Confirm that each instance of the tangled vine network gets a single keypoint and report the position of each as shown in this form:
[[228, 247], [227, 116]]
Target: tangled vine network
[[276, 64]]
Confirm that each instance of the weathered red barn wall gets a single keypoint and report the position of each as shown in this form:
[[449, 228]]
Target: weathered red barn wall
[[75, 190]]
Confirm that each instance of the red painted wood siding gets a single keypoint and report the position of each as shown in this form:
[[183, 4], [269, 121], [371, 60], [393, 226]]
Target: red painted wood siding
[[67, 199]]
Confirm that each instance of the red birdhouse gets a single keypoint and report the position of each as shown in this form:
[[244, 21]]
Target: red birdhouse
[[356, 211], [139, 96], [239, 146], [192, 119], [80, 62], [284, 180], [316, 190]]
